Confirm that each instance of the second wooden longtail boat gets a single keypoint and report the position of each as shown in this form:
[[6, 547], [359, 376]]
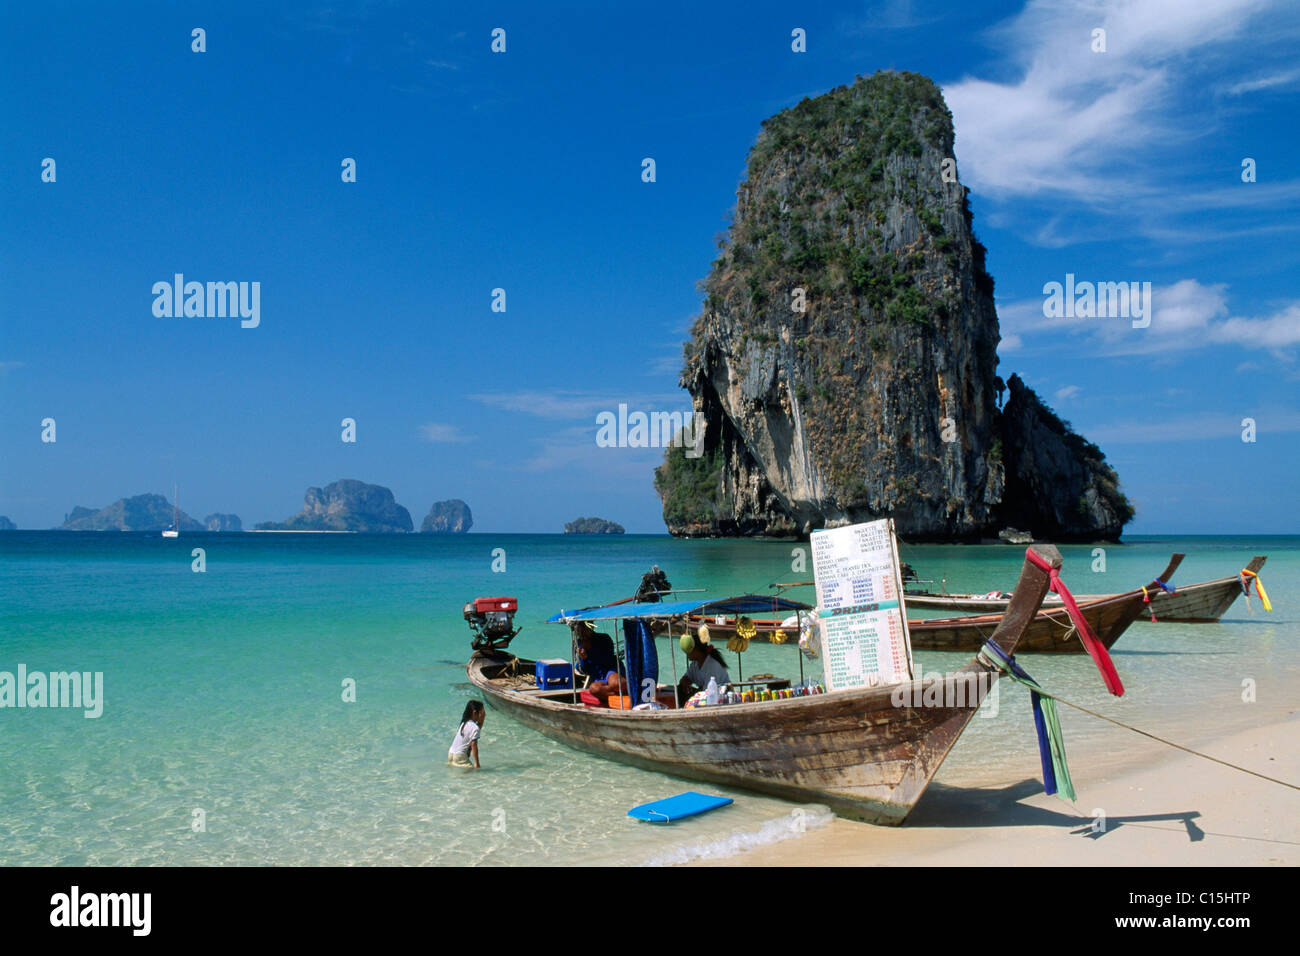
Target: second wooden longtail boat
[[1202, 603], [869, 753], [1049, 632]]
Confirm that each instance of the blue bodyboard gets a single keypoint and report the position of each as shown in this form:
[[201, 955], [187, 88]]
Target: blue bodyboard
[[675, 808]]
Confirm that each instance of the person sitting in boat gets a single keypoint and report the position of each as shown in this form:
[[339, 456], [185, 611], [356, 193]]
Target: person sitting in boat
[[595, 657], [704, 661]]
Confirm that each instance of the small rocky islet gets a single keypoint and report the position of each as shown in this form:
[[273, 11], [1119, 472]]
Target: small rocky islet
[[592, 526]]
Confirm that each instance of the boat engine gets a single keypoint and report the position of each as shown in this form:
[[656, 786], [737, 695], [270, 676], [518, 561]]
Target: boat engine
[[492, 619]]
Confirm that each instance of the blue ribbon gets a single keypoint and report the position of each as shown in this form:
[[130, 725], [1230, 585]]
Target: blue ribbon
[[1040, 724]]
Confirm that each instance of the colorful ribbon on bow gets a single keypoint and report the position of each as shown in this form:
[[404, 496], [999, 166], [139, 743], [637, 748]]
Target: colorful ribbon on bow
[[1146, 599], [1247, 576], [1047, 724], [1096, 650]]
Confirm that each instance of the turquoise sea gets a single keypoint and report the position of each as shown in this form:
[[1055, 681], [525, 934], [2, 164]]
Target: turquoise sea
[[223, 693]]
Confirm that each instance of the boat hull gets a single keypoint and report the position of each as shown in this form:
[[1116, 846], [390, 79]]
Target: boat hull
[[1050, 632], [1202, 603], [856, 751]]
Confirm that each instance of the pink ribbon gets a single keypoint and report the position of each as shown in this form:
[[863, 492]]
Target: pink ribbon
[[1096, 650]]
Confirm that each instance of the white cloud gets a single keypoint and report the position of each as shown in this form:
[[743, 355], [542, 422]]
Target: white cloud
[[1066, 392], [546, 404], [439, 433], [565, 404], [1220, 426], [575, 450], [1074, 121], [887, 15], [1184, 316], [1279, 330], [1285, 78]]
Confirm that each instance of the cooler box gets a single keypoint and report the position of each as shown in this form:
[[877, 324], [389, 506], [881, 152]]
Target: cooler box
[[554, 674]]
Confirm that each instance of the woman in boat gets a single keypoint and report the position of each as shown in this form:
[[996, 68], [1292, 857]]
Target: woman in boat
[[705, 661], [595, 657]]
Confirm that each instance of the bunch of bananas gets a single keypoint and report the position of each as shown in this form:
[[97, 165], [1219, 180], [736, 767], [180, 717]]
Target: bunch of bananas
[[745, 631]]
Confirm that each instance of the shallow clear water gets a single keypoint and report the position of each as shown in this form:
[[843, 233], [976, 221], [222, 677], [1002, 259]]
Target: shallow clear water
[[223, 693]]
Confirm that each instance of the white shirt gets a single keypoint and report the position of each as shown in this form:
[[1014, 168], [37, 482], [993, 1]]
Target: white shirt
[[467, 734], [700, 673]]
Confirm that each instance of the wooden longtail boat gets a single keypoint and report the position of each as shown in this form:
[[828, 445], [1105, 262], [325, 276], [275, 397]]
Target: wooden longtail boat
[[868, 753], [1204, 602], [1051, 631], [935, 601]]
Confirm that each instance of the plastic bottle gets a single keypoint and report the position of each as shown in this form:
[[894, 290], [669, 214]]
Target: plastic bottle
[[711, 692]]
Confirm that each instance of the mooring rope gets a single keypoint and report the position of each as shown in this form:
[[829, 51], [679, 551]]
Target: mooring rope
[[1197, 753], [1119, 723]]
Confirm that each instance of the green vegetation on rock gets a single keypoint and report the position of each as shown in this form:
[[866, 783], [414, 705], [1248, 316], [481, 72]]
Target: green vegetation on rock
[[689, 487], [801, 230]]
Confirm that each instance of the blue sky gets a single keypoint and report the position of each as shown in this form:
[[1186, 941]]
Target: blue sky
[[522, 171]]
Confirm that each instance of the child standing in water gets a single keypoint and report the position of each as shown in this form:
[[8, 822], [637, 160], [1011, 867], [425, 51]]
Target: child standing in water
[[466, 742]]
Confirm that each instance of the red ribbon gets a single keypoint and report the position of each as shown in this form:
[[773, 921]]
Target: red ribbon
[[1096, 650]]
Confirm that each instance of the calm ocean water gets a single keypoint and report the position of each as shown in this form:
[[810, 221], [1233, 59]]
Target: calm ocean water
[[223, 693]]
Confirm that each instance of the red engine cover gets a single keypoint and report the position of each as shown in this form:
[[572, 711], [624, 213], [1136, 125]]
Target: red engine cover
[[483, 605]]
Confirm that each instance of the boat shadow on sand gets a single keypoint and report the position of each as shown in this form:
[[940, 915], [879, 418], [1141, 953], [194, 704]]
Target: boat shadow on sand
[[943, 807]]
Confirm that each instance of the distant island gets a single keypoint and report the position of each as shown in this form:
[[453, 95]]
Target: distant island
[[347, 505], [220, 522], [593, 526], [448, 517], [7, 525], [140, 513]]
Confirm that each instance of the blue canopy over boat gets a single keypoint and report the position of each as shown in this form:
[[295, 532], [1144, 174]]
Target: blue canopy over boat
[[744, 604]]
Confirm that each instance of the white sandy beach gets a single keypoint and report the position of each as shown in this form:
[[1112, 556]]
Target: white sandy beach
[[1162, 806]]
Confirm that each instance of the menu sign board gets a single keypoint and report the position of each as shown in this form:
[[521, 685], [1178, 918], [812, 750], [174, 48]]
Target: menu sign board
[[860, 611]]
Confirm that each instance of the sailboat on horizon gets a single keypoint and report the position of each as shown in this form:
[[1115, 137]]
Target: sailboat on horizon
[[174, 531]]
